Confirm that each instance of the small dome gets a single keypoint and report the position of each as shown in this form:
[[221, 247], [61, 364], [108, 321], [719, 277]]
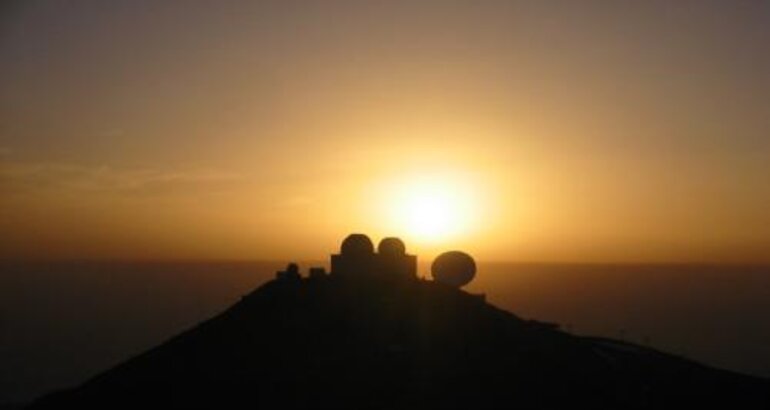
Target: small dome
[[453, 268], [357, 244], [391, 247]]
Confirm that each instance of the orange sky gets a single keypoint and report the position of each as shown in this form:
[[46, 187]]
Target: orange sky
[[234, 130]]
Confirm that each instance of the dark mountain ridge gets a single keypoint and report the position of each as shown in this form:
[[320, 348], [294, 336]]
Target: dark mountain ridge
[[366, 342]]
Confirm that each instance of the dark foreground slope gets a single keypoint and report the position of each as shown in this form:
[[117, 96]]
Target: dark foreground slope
[[336, 343]]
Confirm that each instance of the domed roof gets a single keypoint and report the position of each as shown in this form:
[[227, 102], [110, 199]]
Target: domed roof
[[357, 244], [453, 268], [391, 247]]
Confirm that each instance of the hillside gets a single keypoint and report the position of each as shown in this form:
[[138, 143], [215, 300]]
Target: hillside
[[331, 342]]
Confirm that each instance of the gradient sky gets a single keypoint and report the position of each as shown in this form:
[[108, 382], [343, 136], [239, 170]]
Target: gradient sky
[[597, 131]]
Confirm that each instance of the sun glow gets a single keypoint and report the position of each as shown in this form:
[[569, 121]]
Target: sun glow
[[429, 214], [432, 209]]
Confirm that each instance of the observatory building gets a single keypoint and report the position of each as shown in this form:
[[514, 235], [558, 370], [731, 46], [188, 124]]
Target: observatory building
[[358, 258]]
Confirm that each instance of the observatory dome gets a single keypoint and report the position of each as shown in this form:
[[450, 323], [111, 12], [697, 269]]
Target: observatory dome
[[391, 247], [453, 268], [357, 244]]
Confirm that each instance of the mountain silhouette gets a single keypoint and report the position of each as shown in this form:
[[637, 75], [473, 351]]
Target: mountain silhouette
[[378, 342]]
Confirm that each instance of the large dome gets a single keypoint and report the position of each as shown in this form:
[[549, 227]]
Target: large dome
[[453, 268], [357, 244], [391, 247]]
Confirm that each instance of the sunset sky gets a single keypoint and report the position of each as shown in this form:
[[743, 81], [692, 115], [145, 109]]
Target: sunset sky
[[558, 131]]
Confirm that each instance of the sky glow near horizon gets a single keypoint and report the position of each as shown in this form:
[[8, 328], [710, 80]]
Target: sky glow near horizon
[[514, 130]]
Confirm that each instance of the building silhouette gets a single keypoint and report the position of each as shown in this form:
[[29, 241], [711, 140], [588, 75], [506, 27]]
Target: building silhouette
[[393, 261], [291, 272], [317, 272], [357, 258]]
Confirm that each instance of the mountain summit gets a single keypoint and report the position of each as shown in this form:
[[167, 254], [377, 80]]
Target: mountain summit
[[371, 340]]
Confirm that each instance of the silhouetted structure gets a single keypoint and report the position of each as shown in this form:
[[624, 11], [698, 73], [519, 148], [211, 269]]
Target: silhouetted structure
[[291, 273], [317, 272], [357, 257], [343, 344], [453, 268], [393, 261]]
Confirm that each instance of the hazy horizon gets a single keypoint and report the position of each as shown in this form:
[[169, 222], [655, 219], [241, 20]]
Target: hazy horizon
[[423, 263]]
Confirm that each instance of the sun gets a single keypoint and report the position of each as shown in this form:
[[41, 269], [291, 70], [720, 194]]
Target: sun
[[431, 209], [429, 214]]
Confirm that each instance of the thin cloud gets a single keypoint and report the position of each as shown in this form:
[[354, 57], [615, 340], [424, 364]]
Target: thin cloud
[[38, 177]]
